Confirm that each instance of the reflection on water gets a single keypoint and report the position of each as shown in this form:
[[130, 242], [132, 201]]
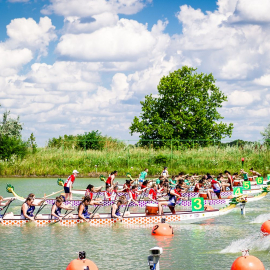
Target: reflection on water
[[207, 244]]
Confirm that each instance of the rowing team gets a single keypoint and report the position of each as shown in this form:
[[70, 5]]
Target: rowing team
[[28, 207]]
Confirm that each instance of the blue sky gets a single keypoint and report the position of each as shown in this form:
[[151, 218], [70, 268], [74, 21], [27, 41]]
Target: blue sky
[[71, 66]]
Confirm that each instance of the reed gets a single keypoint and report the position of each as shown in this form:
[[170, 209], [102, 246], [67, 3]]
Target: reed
[[213, 159]]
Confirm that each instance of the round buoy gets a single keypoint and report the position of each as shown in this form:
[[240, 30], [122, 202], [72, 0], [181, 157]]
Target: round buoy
[[162, 229], [247, 262], [81, 265], [265, 228]]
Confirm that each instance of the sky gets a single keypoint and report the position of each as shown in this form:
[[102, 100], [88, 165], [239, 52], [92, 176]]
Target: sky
[[73, 66]]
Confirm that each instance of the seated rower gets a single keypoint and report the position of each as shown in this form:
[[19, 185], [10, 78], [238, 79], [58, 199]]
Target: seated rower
[[127, 185], [114, 193], [133, 194], [83, 209], [115, 209], [174, 195], [90, 191], [230, 179], [216, 186], [4, 203], [28, 208], [152, 195], [108, 193], [237, 178], [199, 185], [172, 181], [254, 174], [244, 174], [57, 207]]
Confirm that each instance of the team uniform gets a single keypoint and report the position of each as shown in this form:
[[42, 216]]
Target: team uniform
[[117, 211], [69, 182], [153, 194], [142, 176], [85, 212], [109, 180], [172, 200], [216, 187], [113, 195], [133, 195], [56, 212], [29, 212], [109, 195], [89, 193]]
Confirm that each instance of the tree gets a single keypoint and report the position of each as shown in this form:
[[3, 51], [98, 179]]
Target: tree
[[185, 109], [32, 143], [10, 138], [266, 134]]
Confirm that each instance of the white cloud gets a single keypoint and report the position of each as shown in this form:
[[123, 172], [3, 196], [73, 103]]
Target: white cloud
[[26, 33], [126, 41], [251, 11], [88, 8]]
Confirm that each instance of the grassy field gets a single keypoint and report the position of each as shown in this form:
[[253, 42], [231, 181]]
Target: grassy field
[[57, 162]]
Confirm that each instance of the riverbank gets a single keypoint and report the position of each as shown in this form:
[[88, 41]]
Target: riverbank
[[52, 162]]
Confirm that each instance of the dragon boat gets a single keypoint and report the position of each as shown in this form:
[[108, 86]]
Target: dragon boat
[[131, 219]]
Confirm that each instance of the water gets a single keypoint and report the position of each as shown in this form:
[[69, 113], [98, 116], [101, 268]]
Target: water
[[208, 244]]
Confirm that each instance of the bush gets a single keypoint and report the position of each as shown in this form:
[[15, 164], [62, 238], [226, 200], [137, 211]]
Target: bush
[[161, 160], [12, 146]]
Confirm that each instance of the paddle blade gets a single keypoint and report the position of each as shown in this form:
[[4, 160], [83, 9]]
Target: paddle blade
[[9, 188], [128, 175], [60, 182]]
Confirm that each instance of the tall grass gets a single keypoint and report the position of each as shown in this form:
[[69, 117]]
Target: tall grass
[[213, 159]]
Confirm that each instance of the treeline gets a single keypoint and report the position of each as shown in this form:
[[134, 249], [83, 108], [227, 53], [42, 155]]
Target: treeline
[[93, 140]]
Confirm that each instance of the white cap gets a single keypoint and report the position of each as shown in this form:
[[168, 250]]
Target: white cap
[[75, 171]]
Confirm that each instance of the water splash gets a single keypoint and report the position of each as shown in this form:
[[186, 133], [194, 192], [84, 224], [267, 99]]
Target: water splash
[[254, 243], [261, 218]]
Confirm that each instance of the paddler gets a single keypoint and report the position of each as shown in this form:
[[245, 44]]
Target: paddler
[[133, 194], [83, 209], [172, 181], [4, 203], [115, 209], [174, 195], [152, 195], [28, 208], [69, 184], [216, 186], [254, 174], [57, 207], [230, 179], [108, 194], [90, 189], [127, 185], [110, 179], [143, 175]]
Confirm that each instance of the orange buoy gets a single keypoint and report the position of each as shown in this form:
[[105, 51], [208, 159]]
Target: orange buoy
[[81, 265], [162, 229], [265, 228], [247, 262]]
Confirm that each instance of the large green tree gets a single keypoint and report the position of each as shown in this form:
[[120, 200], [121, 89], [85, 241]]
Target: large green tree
[[266, 134], [185, 109]]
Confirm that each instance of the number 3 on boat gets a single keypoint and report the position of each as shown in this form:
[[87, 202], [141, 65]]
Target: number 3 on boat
[[197, 204], [259, 180], [246, 185], [237, 191]]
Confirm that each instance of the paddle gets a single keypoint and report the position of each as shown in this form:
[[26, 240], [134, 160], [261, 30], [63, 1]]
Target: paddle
[[40, 208], [71, 210], [95, 211], [126, 208], [7, 206]]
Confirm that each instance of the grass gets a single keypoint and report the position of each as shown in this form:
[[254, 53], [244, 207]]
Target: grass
[[57, 162]]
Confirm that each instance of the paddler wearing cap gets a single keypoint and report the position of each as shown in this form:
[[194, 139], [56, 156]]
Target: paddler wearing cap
[[69, 184]]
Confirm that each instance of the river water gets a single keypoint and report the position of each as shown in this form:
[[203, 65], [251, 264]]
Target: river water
[[208, 244]]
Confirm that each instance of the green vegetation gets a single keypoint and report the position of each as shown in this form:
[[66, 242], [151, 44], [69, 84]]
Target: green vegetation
[[213, 159], [185, 109]]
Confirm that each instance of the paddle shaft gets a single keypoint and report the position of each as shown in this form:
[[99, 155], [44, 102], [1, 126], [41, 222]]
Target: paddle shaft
[[7, 206], [40, 208], [63, 216]]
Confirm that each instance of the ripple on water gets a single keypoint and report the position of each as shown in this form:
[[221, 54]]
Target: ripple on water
[[254, 243], [261, 218]]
